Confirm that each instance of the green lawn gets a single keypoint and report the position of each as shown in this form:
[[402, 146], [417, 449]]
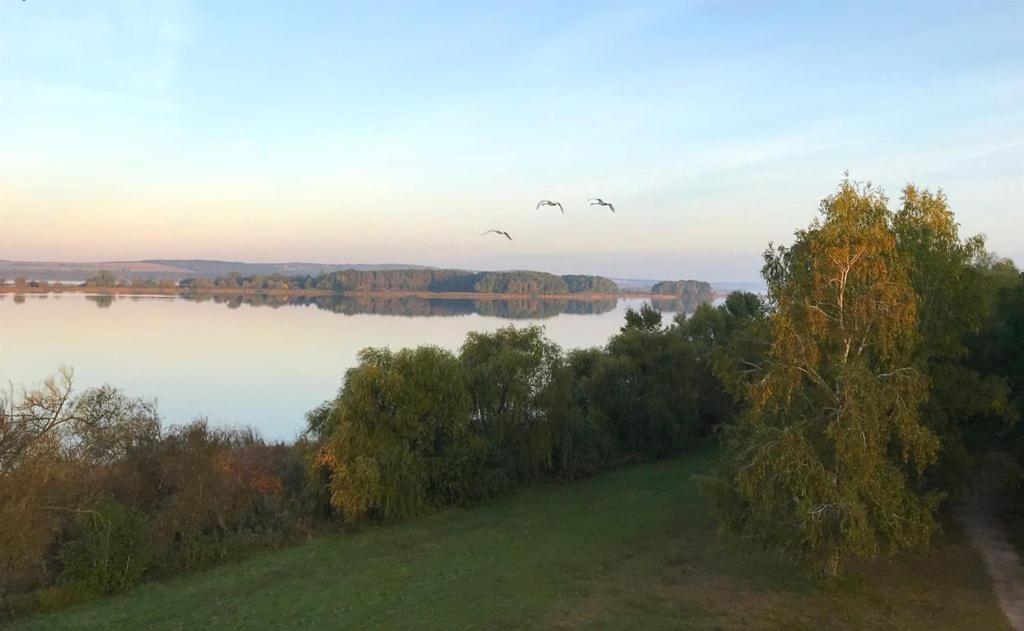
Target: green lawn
[[635, 548]]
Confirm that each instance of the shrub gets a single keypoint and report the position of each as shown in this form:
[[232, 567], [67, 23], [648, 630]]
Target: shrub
[[584, 437], [108, 548], [646, 386], [214, 488]]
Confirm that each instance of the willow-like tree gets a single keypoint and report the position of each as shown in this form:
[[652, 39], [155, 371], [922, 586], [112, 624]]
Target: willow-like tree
[[825, 463], [398, 439]]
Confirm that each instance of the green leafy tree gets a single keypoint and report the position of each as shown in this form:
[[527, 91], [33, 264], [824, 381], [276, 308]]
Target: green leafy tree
[[998, 350], [646, 387], [824, 465], [398, 437], [584, 436], [967, 409], [730, 342], [647, 318], [512, 377]]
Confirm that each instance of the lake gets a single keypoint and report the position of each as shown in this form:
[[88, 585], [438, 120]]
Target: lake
[[256, 360]]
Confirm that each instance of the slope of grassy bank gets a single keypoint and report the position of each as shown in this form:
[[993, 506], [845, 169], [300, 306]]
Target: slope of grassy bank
[[632, 548]]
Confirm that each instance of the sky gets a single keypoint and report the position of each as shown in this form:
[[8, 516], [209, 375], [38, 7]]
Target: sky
[[351, 132]]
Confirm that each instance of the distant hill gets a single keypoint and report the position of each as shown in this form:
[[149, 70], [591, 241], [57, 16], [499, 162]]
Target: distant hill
[[197, 267], [176, 269]]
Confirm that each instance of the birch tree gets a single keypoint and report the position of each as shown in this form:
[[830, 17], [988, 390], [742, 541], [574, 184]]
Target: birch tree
[[825, 463]]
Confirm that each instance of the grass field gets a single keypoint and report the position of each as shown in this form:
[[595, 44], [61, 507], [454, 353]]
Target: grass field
[[634, 548]]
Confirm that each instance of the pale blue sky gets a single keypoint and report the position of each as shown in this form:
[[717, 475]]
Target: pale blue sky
[[352, 132]]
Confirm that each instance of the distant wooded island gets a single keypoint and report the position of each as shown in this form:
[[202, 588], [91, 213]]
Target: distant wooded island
[[421, 281]]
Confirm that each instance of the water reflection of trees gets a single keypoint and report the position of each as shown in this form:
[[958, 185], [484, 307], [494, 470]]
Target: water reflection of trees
[[414, 306], [103, 301]]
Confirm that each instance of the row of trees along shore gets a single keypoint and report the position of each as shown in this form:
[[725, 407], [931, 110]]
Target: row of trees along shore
[[882, 370], [417, 280], [424, 280]]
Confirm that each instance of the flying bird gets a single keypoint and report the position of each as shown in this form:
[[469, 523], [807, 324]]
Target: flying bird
[[507, 235], [597, 201], [548, 202]]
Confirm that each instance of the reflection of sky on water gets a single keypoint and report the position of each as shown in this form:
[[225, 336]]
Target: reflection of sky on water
[[250, 364]]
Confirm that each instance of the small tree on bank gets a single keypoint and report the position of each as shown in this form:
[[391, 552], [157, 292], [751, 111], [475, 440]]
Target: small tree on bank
[[824, 465]]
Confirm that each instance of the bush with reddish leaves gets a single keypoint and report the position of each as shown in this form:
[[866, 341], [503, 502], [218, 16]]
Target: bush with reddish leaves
[[95, 495]]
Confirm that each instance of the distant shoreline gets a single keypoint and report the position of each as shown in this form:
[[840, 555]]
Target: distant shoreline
[[252, 291]]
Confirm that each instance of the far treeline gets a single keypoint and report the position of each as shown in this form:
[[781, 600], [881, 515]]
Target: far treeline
[[881, 373], [422, 280], [418, 280]]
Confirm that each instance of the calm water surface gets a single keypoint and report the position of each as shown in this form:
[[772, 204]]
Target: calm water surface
[[254, 361]]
